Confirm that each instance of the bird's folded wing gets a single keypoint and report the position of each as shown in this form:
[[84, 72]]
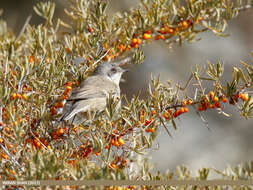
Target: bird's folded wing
[[93, 87]]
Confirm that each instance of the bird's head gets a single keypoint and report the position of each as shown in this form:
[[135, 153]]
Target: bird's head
[[111, 70]]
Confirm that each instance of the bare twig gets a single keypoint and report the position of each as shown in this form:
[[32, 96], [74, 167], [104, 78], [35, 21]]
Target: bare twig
[[24, 26]]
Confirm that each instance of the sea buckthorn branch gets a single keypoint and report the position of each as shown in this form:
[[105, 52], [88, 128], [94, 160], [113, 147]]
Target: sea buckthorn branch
[[155, 20]]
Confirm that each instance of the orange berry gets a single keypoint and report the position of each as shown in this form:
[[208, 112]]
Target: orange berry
[[189, 101], [211, 94], [148, 31], [152, 130], [14, 151], [162, 31], [157, 37], [76, 82], [116, 144], [1, 140], [217, 104], [68, 88], [61, 104], [70, 83], [4, 156], [197, 20], [212, 106], [153, 112], [170, 30], [135, 45], [184, 24], [138, 41], [90, 30], [113, 141], [166, 115], [53, 110], [10, 146], [31, 59], [121, 141], [82, 146], [118, 188], [18, 96], [184, 102], [147, 130], [15, 123], [224, 99], [97, 153], [14, 96], [24, 96], [200, 107], [65, 97], [134, 41], [67, 50], [146, 36], [243, 96], [12, 172], [107, 146], [7, 129], [60, 131], [186, 109], [1, 123], [162, 37], [176, 113], [113, 165], [215, 99], [181, 110]]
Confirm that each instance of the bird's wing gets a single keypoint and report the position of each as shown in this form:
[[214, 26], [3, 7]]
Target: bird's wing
[[93, 87], [83, 106], [91, 95]]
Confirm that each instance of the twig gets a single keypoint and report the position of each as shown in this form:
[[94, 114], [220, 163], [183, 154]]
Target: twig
[[24, 26], [166, 129], [202, 118]]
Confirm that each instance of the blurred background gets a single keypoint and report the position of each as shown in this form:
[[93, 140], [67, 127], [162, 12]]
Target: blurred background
[[229, 140]]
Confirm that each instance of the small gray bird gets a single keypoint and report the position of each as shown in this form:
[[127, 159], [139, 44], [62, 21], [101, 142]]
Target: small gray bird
[[92, 93]]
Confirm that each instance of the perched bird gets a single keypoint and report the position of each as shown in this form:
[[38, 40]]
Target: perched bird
[[93, 92]]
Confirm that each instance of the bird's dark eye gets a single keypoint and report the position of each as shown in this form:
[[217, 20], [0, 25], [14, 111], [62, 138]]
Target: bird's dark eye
[[113, 70]]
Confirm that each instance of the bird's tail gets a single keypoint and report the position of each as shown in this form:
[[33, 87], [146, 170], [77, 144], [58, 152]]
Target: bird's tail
[[75, 108]]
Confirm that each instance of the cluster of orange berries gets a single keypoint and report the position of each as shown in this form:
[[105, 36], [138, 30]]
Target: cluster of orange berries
[[15, 96], [22, 95], [31, 59], [116, 141], [85, 151], [135, 42], [61, 101], [244, 97], [10, 148], [37, 142], [119, 163], [211, 101], [58, 133]]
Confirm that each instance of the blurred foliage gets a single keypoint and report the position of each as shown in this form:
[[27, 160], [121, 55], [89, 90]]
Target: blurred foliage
[[40, 67]]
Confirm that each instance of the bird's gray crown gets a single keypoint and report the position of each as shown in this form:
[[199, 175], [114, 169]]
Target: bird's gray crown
[[108, 69]]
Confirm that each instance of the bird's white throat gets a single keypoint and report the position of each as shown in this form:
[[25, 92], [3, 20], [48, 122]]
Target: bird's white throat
[[116, 78]]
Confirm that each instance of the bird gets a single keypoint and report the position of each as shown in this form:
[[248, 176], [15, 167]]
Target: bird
[[93, 92]]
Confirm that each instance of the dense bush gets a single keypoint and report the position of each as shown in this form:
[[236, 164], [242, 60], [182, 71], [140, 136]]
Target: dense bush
[[41, 65]]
